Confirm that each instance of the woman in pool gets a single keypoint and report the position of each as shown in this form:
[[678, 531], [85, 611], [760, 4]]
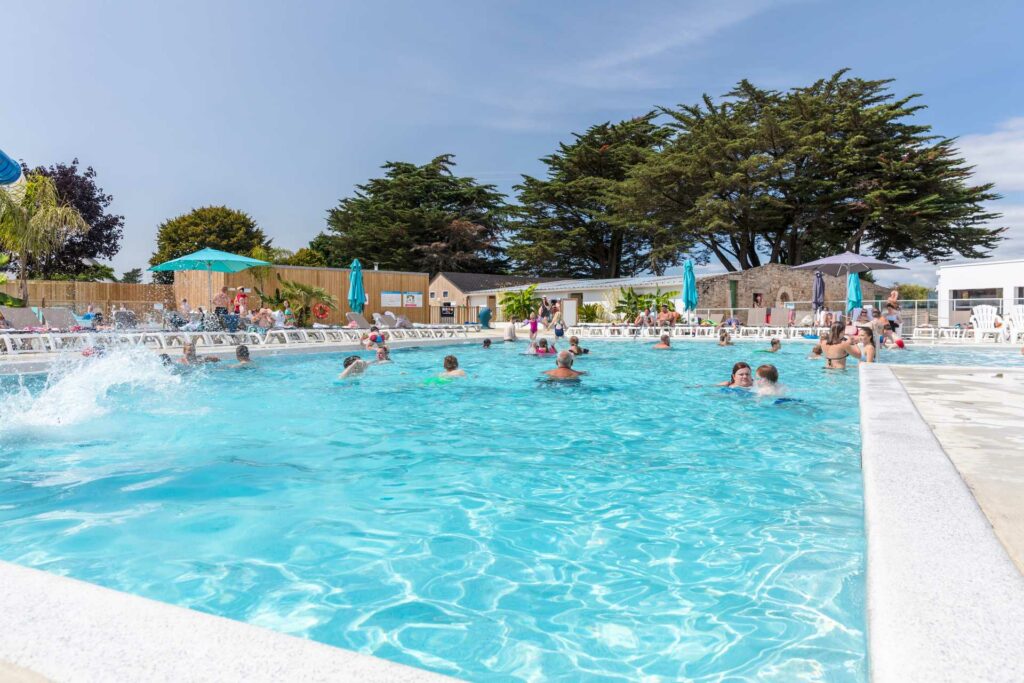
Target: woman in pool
[[866, 339], [741, 378], [724, 339], [451, 368], [575, 348], [836, 348], [383, 355]]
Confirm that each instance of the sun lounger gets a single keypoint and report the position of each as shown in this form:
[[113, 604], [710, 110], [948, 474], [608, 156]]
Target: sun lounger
[[59, 318], [361, 322], [21, 318], [1014, 323]]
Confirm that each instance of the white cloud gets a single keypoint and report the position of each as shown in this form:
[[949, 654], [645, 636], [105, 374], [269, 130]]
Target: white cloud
[[999, 155]]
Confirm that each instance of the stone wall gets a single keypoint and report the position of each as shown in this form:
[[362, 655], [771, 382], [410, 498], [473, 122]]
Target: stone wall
[[777, 285]]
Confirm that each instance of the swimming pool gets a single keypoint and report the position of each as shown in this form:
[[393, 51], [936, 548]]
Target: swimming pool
[[641, 523]]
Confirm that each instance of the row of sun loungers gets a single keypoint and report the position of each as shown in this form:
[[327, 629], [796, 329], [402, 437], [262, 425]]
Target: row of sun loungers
[[692, 331], [15, 343], [985, 324]]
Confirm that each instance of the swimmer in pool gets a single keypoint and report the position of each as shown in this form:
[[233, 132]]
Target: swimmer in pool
[[575, 348], [815, 353], [563, 369], [383, 354], [768, 381], [354, 366], [776, 345], [451, 368], [242, 356], [542, 348], [663, 343], [724, 339], [189, 357], [741, 377], [487, 343]]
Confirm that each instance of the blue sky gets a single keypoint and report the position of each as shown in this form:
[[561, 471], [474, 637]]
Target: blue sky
[[279, 109]]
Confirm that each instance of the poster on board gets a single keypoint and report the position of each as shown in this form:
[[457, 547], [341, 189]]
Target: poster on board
[[390, 299], [412, 299]]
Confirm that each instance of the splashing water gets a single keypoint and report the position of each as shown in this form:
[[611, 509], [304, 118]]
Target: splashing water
[[78, 388]]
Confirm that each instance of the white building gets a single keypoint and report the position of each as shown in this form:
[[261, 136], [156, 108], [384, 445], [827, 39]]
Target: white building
[[964, 285]]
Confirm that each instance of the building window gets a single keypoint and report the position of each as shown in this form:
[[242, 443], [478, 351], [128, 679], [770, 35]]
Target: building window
[[965, 299], [444, 294], [433, 294]]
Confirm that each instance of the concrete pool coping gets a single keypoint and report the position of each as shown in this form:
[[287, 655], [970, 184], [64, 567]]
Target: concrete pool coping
[[57, 628], [945, 601]]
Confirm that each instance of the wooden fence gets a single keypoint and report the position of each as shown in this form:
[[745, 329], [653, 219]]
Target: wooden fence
[[386, 290], [104, 296]]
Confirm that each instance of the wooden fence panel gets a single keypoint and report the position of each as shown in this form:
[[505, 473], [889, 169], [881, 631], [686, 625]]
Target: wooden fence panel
[[104, 296], [193, 286]]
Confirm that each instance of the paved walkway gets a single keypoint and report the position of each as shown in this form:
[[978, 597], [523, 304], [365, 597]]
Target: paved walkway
[[977, 414]]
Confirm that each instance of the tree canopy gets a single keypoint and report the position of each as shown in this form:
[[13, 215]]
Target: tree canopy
[[418, 218], [132, 276], [772, 177], [217, 227], [78, 189], [570, 223]]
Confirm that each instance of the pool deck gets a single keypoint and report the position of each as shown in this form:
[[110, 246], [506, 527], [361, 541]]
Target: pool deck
[[60, 629], [945, 601]]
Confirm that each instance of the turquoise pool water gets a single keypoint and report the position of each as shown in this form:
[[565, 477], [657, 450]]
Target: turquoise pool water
[[639, 524]]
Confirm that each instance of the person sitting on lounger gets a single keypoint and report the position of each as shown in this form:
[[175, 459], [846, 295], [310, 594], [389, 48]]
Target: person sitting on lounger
[[563, 369], [663, 344], [189, 357], [354, 365], [451, 367], [741, 377]]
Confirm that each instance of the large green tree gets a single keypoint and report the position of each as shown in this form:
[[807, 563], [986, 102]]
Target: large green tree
[[217, 227], [570, 223], [418, 218], [773, 177]]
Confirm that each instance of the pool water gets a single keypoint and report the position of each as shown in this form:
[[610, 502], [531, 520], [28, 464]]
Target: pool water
[[638, 524]]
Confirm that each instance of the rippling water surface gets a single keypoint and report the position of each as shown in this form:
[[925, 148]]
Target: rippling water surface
[[638, 524]]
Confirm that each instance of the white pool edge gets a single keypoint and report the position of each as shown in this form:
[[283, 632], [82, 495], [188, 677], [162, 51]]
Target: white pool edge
[[945, 602], [69, 630]]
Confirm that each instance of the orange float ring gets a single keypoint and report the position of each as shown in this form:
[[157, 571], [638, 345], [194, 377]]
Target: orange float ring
[[321, 311]]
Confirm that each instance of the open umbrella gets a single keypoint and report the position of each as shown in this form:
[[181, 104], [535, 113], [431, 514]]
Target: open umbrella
[[854, 298], [818, 295], [212, 261], [689, 286], [356, 291], [10, 170], [848, 262]]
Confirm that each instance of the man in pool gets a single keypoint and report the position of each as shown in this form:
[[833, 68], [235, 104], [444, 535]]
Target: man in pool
[[664, 343], [487, 343], [189, 357], [563, 369], [451, 367], [354, 365]]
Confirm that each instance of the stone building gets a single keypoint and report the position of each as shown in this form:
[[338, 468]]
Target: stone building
[[776, 285]]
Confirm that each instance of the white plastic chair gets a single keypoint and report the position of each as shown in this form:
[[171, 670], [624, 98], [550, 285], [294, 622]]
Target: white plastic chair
[[1014, 323], [984, 321]]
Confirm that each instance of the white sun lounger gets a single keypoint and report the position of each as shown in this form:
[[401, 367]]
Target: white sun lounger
[[984, 321]]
